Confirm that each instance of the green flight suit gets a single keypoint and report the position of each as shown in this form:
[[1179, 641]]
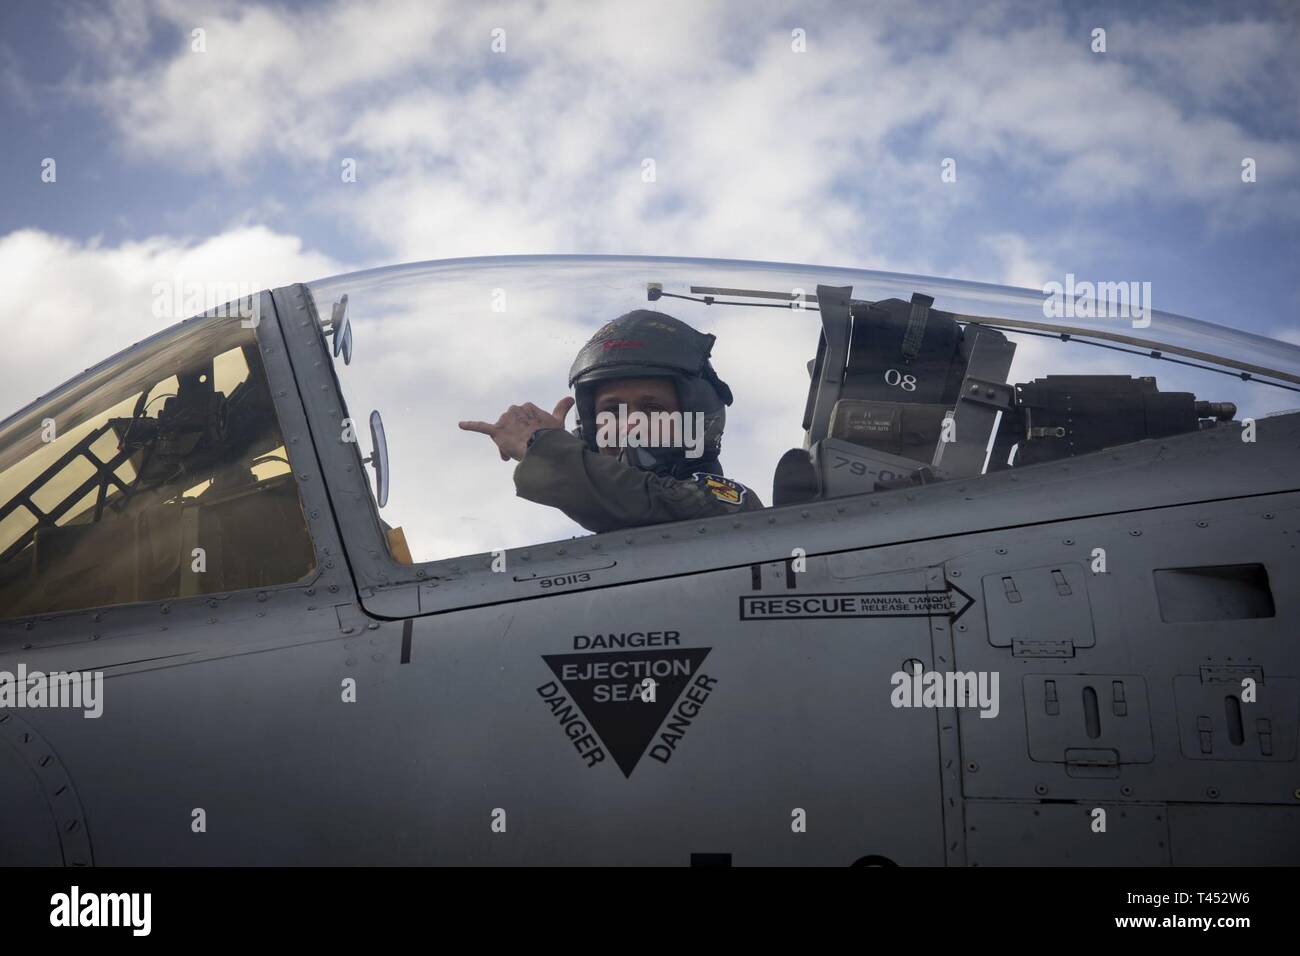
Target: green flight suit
[[602, 493]]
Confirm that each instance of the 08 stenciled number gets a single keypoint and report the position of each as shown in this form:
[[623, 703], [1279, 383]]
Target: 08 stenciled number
[[896, 378]]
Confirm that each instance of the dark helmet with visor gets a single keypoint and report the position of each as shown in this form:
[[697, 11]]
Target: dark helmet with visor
[[646, 344]]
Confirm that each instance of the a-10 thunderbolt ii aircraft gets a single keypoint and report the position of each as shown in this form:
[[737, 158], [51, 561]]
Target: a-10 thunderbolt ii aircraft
[[1023, 591]]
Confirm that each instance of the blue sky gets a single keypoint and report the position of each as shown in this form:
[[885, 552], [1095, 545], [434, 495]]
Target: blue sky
[[224, 164]]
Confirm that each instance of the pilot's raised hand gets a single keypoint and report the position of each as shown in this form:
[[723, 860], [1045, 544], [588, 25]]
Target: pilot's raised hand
[[518, 424]]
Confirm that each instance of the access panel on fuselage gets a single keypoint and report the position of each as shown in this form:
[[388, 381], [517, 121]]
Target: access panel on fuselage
[[769, 737]]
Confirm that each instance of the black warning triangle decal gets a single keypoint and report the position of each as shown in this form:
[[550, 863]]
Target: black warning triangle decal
[[606, 687]]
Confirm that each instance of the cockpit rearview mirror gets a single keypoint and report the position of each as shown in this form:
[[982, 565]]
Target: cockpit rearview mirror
[[378, 459]]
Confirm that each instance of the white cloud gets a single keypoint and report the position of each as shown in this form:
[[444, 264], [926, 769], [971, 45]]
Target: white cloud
[[70, 304], [1021, 267], [1222, 64], [761, 152], [15, 87]]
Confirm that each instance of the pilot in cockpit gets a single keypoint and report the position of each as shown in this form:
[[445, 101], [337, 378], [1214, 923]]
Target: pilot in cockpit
[[651, 411]]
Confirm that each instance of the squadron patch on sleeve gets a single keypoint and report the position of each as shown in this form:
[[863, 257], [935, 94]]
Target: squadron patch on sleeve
[[724, 489]]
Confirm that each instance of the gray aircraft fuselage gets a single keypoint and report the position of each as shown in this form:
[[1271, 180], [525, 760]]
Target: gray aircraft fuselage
[[501, 717]]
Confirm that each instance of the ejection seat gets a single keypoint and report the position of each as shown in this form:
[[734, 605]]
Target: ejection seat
[[900, 394], [903, 394]]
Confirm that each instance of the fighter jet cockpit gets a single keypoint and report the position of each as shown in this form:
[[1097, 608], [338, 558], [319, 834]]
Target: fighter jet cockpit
[[846, 382], [160, 474]]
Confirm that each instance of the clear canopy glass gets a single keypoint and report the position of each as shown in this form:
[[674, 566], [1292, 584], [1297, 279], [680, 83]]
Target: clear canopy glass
[[438, 342]]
